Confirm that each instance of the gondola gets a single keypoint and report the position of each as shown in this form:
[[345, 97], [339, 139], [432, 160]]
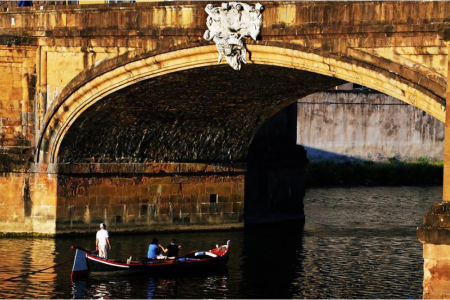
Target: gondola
[[87, 262]]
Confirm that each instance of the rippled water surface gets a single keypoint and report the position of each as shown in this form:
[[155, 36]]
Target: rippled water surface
[[357, 243]]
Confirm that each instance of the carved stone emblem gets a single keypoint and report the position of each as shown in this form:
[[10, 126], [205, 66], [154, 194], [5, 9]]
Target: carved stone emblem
[[229, 25]]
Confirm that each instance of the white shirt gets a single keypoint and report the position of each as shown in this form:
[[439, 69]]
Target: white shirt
[[102, 234]]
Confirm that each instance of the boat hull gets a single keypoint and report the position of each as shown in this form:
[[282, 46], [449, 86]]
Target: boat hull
[[98, 265], [88, 262]]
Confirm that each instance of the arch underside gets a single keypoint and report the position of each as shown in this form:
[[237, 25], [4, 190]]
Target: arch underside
[[184, 106], [207, 114]]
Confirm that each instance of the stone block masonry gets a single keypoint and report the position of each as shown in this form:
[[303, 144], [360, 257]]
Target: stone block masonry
[[17, 83], [28, 204], [148, 203], [170, 200]]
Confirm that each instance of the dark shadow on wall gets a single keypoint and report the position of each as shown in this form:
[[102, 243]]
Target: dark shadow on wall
[[274, 183], [317, 155]]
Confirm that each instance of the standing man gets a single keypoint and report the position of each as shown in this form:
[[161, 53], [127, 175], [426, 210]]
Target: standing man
[[102, 242]]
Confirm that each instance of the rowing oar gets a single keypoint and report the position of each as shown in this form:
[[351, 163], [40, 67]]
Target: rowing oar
[[33, 272]]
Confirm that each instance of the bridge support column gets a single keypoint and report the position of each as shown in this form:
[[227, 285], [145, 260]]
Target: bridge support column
[[446, 185], [435, 231], [435, 236], [29, 202]]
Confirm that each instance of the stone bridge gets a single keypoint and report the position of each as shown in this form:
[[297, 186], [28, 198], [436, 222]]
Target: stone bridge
[[122, 113]]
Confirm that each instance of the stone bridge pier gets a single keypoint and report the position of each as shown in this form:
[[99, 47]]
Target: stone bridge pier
[[435, 231]]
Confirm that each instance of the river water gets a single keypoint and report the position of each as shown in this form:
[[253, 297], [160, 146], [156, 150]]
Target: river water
[[357, 243]]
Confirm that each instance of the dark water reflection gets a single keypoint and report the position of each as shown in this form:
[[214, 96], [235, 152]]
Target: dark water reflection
[[357, 243]]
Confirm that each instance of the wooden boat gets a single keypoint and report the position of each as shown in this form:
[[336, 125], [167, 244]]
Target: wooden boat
[[87, 262]]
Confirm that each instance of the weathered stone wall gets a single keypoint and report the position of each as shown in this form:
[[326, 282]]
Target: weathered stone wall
[[17, 120], [150, 202], [14, 209], [366, 126], [28, 203], [58, 204]]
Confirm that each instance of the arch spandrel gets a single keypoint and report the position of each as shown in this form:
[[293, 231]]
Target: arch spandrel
[[72, 103]]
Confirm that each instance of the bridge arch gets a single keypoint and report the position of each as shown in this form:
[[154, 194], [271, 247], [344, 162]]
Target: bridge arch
[[111, 76]]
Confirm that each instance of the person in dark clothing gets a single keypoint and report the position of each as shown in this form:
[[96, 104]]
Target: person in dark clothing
[[172, 249]]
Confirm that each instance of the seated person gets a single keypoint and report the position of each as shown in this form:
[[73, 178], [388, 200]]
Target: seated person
[[154, 249], [172, 249]]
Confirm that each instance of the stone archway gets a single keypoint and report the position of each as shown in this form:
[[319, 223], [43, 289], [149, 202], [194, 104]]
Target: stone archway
[[71, 104]]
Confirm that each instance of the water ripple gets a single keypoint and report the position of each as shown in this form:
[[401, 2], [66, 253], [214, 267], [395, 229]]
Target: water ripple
[[357, 243]]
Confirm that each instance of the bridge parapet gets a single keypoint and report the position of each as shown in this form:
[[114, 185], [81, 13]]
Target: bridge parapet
[[320, 17]]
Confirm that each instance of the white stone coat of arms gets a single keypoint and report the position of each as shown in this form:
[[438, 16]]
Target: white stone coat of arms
[[229, 25]]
